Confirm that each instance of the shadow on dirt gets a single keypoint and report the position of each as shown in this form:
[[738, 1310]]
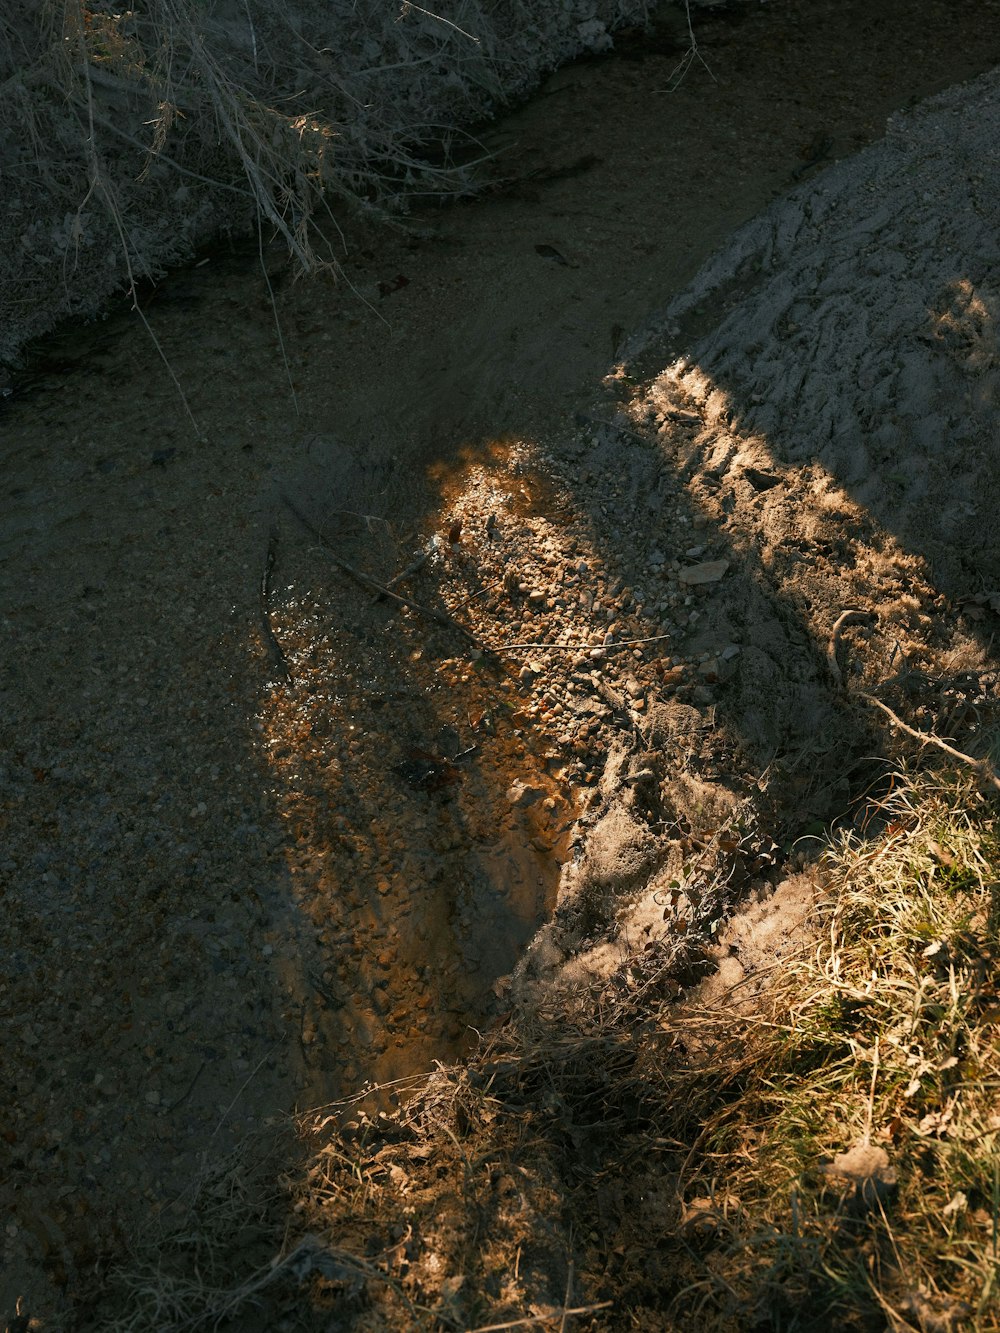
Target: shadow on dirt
[[772, 536]]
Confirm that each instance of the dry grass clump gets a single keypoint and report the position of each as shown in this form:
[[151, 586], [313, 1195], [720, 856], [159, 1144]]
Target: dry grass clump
[[130, 136], [210, 1256], [855, 1178], [828, 1160]]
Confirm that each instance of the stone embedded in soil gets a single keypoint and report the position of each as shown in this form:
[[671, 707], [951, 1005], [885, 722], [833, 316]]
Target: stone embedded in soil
[[520, 795], [709, 572]]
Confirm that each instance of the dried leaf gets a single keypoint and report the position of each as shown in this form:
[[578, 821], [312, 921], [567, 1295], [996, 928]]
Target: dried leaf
[[894, 1129], [397, 283], [761, 481], [935, 1313], [935, 1122]]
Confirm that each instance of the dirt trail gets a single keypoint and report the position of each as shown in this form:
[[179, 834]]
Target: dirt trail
[[226, 896]]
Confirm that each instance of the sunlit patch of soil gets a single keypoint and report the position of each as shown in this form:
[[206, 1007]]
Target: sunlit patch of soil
[[427, 785]]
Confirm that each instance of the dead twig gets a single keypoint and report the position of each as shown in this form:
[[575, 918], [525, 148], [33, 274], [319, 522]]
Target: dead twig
[[278, 657], [622, 643], [481, 593], [982, 766], [188, 1090], [379, 589], [563, 1314], [412, 568], [850, 617], [569, 1287]]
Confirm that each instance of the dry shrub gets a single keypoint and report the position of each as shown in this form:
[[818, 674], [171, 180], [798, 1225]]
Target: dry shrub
[[824, 1157], [829, 1159], [129, 137]]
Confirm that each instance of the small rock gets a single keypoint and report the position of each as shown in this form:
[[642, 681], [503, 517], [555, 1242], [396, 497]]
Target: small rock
[[865, 1167], [709, 572], [519, 794]]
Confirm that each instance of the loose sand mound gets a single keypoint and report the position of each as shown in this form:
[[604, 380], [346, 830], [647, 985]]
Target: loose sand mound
[[854, 326], [820, 408]]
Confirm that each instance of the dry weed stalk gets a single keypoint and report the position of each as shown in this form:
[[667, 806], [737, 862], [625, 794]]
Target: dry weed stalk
[[133, 136]]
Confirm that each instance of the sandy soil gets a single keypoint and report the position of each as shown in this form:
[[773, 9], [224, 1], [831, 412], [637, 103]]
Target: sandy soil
[[228, 894]]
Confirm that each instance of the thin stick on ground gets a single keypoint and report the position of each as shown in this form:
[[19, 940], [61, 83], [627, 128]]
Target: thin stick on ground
[[607, 647], [850, 617], [569, 1289], [277, 317], [982, 766], [411, 569], [278, 658], [379, 589], [542, 1318]]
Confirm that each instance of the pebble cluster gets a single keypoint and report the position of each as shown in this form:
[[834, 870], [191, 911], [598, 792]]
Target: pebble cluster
[[593, 638]]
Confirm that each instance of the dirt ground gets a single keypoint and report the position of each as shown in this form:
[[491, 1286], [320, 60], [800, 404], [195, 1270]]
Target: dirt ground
[[268, 838]]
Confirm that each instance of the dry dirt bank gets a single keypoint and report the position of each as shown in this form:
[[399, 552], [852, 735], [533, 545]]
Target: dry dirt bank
[[227, 896]]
